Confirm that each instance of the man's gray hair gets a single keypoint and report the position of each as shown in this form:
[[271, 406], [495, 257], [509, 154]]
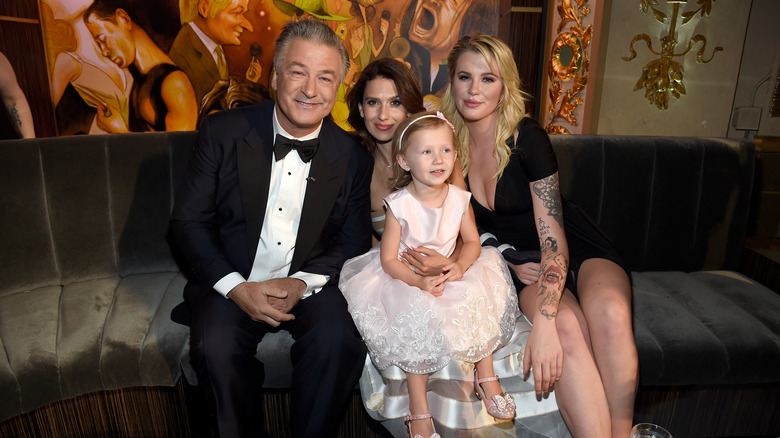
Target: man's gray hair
[[310, 30]]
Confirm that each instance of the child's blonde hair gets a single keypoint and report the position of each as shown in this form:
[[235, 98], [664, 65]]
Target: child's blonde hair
[[412, 124]]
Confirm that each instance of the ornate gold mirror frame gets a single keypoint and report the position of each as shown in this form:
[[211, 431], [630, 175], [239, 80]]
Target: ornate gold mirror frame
[[569, 61]]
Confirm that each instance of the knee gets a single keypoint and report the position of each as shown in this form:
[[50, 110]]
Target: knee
[[570, 332], [339, 337], [612, 320], [210, 351]]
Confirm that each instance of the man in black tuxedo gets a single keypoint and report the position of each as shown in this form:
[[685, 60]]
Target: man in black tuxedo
[[266, 233]]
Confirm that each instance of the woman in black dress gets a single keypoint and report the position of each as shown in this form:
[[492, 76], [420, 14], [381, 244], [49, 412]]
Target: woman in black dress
[[578, 296]]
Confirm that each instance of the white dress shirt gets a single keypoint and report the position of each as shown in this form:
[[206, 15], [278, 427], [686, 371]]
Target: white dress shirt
[[280, 225]]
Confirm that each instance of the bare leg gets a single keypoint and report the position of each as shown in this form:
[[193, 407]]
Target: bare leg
[[605, 297], [579, 392], [418, 403]]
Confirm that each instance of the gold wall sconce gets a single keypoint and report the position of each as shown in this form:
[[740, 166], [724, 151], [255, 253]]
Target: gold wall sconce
[[664, 76]]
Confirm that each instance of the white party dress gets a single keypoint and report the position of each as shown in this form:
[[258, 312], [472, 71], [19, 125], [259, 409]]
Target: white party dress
[[407, 327]]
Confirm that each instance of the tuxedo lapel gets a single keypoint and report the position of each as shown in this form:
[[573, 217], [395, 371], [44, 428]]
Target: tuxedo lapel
[[323, 186], [254, 154]]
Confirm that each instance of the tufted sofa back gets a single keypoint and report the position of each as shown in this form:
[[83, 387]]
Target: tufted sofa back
[[83, 207], [80, 208], [667, 203]]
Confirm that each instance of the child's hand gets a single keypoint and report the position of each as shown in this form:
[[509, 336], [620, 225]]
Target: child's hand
[[432, 285], [453, 272]]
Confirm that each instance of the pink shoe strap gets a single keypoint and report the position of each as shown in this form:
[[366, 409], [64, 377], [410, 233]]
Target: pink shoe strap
[[409, 418], [487, 379]]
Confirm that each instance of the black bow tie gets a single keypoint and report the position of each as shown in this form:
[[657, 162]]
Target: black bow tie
[[306, 149]]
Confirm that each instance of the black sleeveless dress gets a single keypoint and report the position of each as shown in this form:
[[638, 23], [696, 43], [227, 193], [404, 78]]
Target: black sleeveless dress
[[512, 219]]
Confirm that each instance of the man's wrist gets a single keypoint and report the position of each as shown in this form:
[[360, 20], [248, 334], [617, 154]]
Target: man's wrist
[[225, 285]]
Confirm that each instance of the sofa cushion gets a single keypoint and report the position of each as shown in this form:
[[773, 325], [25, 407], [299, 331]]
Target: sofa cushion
[[27, 259], [110, 333], [705, 328]]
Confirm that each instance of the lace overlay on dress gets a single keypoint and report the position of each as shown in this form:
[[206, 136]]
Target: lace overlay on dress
[[413, 330]]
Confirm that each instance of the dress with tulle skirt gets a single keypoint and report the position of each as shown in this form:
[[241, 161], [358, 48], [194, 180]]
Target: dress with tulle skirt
[[407, 327]]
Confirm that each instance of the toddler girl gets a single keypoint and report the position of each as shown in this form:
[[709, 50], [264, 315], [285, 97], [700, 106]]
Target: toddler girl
[[419, 323]]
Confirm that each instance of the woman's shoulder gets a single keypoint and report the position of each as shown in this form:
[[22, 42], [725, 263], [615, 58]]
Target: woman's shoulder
[[529, 130], [533, 150]]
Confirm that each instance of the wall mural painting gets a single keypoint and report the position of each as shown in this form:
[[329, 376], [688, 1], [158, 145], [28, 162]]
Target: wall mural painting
[[138, 66]]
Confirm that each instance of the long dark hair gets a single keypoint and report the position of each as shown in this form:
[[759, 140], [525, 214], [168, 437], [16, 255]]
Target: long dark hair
[[106, 10], [386, 68]]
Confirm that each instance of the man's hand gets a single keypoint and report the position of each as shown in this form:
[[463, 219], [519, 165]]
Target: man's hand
[[294, 288], [269, 301]]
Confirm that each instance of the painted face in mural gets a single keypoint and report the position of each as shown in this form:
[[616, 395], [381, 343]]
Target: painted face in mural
[[477, 90], [113, 38], [381, 109], [306, 85], [226, 27], [437, 23]]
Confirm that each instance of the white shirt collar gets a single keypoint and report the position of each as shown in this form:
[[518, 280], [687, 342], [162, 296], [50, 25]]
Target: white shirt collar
[[208, 42]]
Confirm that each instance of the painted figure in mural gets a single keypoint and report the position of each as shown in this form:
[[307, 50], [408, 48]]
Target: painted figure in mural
[[578, 295], [14, 101], [361, 37], [99, 85], [207, 26], [309, 9], [433, 31], [266, 230], [234, 92], [162, 97]]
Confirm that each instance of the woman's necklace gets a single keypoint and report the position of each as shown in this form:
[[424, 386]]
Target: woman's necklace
[[387, 162]]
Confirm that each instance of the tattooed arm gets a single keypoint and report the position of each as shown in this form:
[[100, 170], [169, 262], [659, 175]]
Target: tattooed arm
[[543, 348], [14, 100], [548, 213]]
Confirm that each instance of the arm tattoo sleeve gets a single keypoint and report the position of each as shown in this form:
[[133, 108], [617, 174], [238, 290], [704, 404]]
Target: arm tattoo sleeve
[[14, 114], [547, 190]]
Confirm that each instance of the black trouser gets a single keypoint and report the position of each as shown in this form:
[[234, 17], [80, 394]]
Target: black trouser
[[327, 358]]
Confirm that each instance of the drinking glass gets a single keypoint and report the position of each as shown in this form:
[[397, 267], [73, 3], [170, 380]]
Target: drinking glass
[[649, 430]]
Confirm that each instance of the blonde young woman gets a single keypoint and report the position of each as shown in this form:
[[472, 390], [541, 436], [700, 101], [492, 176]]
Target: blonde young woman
[[578, 295]]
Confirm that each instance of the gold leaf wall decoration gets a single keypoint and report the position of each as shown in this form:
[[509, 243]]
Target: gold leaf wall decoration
[[664, 76], [569, 63]]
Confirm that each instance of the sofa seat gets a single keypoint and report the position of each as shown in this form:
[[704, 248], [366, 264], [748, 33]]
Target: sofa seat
[[705, 328], [59, 342]]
